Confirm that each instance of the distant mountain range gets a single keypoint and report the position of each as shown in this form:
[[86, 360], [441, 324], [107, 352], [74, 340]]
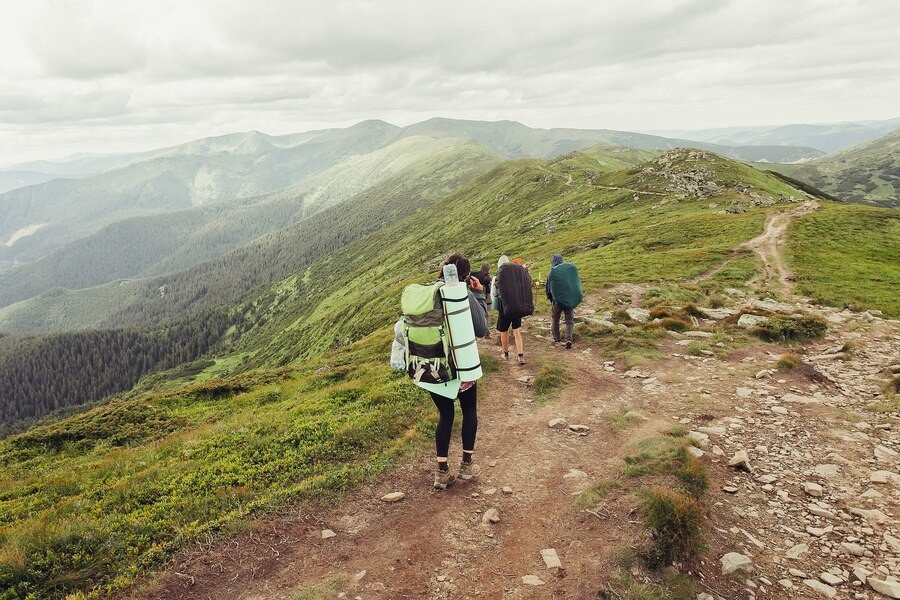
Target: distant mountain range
[[868, 173], [38, 219], [827, 137]]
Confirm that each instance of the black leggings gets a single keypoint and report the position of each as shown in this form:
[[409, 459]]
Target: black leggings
[[469, 406]]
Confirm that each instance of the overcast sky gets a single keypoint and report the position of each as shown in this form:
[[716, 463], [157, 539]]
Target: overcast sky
[[116, 75]]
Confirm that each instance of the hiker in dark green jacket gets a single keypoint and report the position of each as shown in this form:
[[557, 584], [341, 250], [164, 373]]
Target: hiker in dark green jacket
[[564, 291]]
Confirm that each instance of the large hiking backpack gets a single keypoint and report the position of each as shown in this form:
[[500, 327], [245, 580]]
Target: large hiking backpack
[[565, 285], [514, 285], [424, 334]]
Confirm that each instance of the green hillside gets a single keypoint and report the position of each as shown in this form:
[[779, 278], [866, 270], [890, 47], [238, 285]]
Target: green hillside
[[172, 242], [90, 502], [867, 174]]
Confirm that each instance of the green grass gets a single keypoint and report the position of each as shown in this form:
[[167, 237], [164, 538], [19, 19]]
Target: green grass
[[625, 419], [93, 501], [676, 519], [667, 455], [591, 496], [549, 380], [846, 255]]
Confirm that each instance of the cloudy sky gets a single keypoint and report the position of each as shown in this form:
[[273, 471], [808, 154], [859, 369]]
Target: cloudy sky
[[117, 75]]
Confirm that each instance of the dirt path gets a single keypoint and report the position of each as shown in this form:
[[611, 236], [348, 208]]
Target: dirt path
[[434, 544], [769, 246]]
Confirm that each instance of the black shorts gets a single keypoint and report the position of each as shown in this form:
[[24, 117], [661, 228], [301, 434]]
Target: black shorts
[[503, 323]]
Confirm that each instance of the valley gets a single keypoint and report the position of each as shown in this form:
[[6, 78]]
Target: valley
[[209, 409]]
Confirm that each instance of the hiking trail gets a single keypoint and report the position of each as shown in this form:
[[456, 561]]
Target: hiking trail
[[813, 424]]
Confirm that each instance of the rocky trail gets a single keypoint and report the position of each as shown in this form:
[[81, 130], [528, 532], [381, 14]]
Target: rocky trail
[[811, 511]]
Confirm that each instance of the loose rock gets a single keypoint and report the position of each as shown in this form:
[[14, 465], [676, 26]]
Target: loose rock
[[734, 561], [393, 497]]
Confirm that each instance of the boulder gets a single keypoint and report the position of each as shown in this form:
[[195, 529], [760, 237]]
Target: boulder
[[891, 589], [641, 315], [491, 515], [741, 461], [748, 321], [733, 562]]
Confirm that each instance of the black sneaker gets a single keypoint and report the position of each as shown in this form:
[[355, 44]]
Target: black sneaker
[[521, 359], [568, 345], [506, 356]]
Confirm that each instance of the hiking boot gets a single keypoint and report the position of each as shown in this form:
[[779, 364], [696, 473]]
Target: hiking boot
[[521, 359], [506, 356], [443, 479], [568, 345], [468, 470]]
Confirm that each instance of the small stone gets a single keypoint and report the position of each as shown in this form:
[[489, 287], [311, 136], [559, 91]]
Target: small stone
[[579, 428], [641, 315], [786, 583], [779, 410], [729, 489], [831, 578], [743, 392], [532, 580], [823, 588], [700, 437], [813, 489], [493, 463], [870, 493], [442, 578], [327, 533], [699, 334], [490, 491], [892, 542], [795, 552], [506, 489], [491, 515], [575, 474], [748, 321], [734, 561], [797, 573], [882, 476], [551, 559], [891, 589], [393, 497], [852, 549], [741, 461], [717, 451], [827, 470], [695, 452], [819, 531], [872, 516], [558, 423], [885, 453]]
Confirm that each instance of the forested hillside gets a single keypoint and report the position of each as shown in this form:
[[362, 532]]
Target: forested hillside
[[868, 173], [171, 242], [196, 306]]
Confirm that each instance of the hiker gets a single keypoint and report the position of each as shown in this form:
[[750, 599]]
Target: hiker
[[468, 390], [512, 304], [484, 277], [564, 291]]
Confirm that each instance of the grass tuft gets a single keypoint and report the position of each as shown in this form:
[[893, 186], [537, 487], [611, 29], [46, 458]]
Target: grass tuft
[[788, 362], [695, 349], [675, 521], [550, 379]]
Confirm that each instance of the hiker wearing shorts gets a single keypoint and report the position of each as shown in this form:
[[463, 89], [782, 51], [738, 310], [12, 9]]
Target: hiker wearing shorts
[[503, 323]]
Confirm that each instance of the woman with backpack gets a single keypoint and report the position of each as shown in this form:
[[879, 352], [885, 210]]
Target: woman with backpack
[[468, 390], [511, 317]]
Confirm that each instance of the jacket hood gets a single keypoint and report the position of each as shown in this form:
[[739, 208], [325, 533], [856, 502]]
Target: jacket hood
[[503, 260], [556, 259]]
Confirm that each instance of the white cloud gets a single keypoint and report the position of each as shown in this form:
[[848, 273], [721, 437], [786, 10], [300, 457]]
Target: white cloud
[[111, 75]]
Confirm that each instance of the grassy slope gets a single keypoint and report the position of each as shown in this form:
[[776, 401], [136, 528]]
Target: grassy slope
[[848, 255], [421, 169], [868, 173], [522, 208], [98, 498]]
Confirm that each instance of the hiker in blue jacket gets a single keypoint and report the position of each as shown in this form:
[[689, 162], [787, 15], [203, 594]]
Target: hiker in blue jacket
[[565, 293]]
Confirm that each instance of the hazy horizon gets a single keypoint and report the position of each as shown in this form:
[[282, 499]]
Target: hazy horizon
[[109, 77]]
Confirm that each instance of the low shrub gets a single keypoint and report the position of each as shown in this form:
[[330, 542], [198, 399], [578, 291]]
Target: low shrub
[[692, 475], [695, 349], [716, 301], [787, 362], [675, 522], [791, 328], [673, 324]]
